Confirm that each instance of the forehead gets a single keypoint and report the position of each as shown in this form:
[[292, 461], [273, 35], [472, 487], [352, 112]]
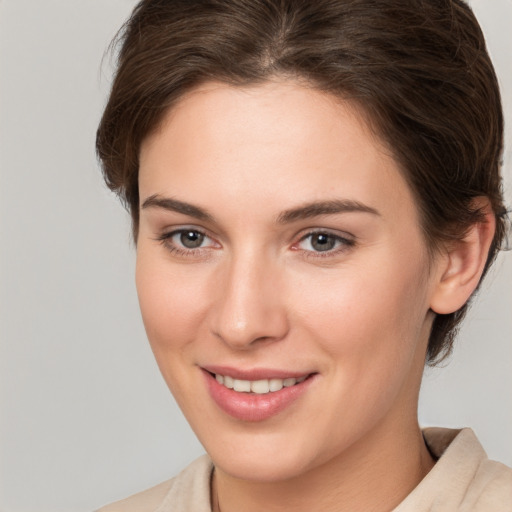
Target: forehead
[[271, 144]]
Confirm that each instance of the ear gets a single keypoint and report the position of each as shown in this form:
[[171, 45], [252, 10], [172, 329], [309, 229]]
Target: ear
[[461, 267]]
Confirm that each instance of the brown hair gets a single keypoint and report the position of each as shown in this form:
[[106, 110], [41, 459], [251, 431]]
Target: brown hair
[[418, 69]]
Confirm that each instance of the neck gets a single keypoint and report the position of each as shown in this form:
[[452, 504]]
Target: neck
[[374, 475]]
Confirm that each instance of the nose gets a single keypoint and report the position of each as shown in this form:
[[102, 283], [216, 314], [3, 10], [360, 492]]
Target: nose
[[249, 309]]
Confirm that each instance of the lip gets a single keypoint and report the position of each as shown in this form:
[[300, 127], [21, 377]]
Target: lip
[[255, 373], [251, 407]]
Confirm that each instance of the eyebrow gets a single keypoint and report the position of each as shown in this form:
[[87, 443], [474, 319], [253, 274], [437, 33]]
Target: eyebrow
[[318, 208], [306, 211], [173, 205]]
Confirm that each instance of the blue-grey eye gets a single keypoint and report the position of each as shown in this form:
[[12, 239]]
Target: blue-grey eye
[[323, 241], [191, 239]]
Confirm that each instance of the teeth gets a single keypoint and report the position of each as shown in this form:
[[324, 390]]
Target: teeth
[[259, 387], [242, 385], [275, 384]]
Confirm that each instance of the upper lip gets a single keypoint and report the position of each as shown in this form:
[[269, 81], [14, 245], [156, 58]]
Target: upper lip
[[254, 373]]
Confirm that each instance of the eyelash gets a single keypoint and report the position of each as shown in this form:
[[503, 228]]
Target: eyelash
[[344, 243], [166, 240]]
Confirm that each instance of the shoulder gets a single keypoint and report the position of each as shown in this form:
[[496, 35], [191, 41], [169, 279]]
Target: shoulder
[[463, 478], [480, 483], [491, 488], [145, 501], [190, 490]]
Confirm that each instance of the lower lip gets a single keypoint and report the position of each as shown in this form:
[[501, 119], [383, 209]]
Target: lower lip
[[252, 406]]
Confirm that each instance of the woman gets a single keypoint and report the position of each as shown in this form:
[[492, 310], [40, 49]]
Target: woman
[[315, 196]]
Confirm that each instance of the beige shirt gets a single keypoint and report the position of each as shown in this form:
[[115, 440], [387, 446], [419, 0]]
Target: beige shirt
[[463, 480]]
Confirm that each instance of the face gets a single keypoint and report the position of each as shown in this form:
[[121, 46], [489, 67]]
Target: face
[[282, 277]]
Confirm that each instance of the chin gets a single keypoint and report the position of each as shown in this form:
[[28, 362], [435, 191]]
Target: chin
[[263, 468], [264, 457]]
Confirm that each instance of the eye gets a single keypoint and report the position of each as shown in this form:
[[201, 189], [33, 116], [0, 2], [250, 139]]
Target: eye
[[186, 241], [324, 242], [190, 239]]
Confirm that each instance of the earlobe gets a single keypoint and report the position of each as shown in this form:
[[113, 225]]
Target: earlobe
[[462, 265]]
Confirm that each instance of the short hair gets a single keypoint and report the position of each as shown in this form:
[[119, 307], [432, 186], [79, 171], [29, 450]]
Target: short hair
[[418, 70]]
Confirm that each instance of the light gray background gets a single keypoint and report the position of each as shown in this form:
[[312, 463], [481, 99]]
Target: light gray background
[[85, 415]]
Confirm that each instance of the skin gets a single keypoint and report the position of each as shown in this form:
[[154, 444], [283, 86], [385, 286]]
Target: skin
[[257, 293]]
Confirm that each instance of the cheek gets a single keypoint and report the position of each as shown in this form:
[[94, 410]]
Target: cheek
[[367, 326], [369, 319], [170, 302], [172, 310]]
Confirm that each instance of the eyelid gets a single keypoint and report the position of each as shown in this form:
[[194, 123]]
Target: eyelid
[[165, 238], [345, 242]]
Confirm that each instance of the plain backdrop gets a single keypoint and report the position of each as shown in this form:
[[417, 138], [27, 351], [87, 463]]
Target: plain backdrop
[[85, 416]]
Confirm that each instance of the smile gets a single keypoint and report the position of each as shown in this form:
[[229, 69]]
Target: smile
[[249, 396], [260, 387]]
